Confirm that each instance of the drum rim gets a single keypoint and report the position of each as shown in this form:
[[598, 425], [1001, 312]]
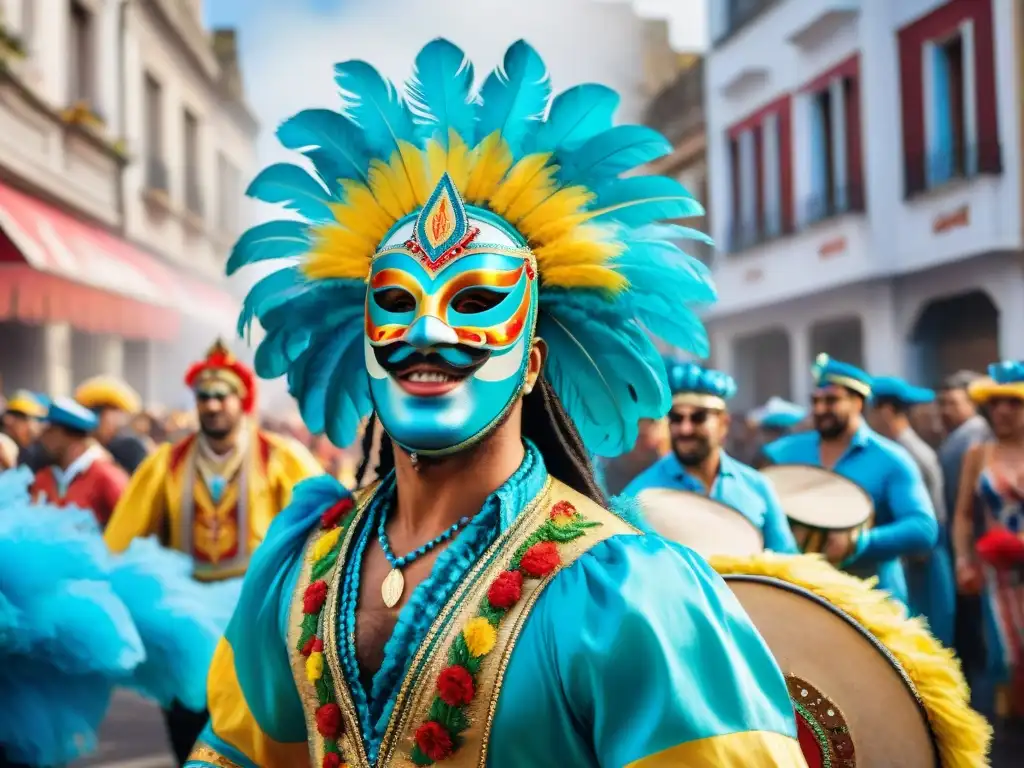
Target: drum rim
[[827, 471], [881, 649], [713, 502]]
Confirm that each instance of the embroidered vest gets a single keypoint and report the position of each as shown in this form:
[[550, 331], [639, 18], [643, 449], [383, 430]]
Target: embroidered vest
[[470, 633]]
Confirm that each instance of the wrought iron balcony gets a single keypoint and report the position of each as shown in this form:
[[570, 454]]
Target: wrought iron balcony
[[678, 110], [744, 235], [822, 206]]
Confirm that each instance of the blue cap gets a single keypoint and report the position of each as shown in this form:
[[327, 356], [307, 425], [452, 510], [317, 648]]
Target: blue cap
[[827, 371], [895, 388], [777, 414], [65, 412], [693, 384]]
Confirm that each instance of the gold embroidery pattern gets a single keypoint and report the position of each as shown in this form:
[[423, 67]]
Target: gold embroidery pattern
[[209, 756]]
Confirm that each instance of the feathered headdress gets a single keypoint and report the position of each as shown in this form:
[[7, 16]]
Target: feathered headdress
[[609, 271], [221, 364]]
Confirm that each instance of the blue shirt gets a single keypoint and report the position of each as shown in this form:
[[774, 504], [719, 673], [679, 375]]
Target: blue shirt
[[738, 486], [904, 521]]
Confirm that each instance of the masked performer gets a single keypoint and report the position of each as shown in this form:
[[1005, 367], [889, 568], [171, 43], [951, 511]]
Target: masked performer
[[904, 521], [211, 496], [698, 424], [472, 273]]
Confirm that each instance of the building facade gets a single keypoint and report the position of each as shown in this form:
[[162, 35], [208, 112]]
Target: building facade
[[86, 286], [866, 181]]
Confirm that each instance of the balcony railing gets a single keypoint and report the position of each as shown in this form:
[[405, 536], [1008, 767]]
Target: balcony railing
[[157, 177], [822, 206], [738, 14], [924, 171], [749, 234], [678, 110]]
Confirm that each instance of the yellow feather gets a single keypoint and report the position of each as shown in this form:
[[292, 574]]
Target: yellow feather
[[557, 215], [525, 187], [437, 162], [390, 186], [416, 169], [459, 160], [492, 159], [572, 251], [361, 212], [584, 276], [338, 253]]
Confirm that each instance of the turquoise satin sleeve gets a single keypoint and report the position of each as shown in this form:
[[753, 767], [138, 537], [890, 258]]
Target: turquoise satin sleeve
[[636, 648], [778, 536], [913, 530], [224, 750], [258, 630]]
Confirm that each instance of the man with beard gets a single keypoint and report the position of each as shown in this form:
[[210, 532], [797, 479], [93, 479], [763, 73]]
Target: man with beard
[[698, 424], [213, 494], [479, 605], [904, 522], [114, 403], [773, 421], [79, 472], [930, 584]]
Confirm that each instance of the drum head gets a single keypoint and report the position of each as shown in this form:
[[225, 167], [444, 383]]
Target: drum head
[[819, 498], [856, 708], [706, 526]]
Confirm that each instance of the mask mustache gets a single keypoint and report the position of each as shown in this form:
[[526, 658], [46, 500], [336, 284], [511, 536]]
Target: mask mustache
[[460, 361]]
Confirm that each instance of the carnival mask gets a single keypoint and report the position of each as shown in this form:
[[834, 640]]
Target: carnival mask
[[450, 317]]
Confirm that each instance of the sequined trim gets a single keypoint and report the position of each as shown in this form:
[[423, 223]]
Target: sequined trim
[[826, 721], [208, 756]]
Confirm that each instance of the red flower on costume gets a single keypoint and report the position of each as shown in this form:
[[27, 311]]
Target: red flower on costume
[[434, 741], [563, 509], [540, 559], [455, 686], [332, 760], [328, 721], [314, 644], [315, 596], [333, 516], [506, 590]]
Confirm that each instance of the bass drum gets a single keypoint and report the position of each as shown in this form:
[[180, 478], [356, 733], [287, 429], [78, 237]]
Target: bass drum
[[706, 526], [888, 698]]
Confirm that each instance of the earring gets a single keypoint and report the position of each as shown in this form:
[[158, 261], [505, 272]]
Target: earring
[[527, 389]]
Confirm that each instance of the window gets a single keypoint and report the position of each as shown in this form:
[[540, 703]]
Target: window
[[948, 155], [230, 181], [28, 24], [156, 167], [81, 56], [193, 198]]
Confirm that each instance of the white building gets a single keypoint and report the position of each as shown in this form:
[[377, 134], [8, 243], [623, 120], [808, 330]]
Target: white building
[[865, 172], [94, 276]]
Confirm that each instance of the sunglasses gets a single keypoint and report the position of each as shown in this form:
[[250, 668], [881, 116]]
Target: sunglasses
[[697, 418], [205, 396]]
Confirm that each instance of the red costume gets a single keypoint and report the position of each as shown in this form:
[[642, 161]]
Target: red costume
[[97, 485]]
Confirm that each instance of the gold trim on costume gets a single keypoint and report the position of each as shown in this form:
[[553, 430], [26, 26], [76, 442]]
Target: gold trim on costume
[[699, 400], [858, 386], [224, 375], [202, 753]]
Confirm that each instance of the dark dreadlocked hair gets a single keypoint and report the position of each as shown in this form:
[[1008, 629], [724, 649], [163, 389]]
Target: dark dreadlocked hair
[[545, 423]]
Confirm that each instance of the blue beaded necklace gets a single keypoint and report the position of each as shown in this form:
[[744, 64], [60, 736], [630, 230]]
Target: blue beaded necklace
[[394, 583]]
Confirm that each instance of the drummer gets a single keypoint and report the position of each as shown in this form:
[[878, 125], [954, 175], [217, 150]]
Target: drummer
[[904, 523], [773, 420], [930, 583], [698, 424]]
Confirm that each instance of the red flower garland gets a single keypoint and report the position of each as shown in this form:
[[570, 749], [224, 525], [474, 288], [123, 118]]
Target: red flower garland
[[332, 760], [540, 559], [332, 516], [315, 597], [434, 741], [314, 644], [455, 686], [328, 721], [562, 509], [506, 590]]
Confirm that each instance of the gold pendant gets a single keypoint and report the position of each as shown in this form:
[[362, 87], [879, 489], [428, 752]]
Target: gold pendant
[[392, 588]]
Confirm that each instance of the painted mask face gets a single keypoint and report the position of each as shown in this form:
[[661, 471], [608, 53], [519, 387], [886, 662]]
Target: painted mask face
[[450, 316]]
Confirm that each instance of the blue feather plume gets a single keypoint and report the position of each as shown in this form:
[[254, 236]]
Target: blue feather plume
[[576, 115], [274, 290], [514, 97], [333, 142], [375, 105], [293, 188], [440, 92], [640, 200], [267, 241], [669, 233], [609, 154]]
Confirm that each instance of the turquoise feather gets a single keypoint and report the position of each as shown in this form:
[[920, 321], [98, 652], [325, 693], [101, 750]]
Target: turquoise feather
[[349, 401], [577, 115], [314, 371], [376, 106], [333, 142], [514, 97], [275, 289], [669, 233], [610, 154], [293, 188], [271, 240], [640, 200], [440, 92]]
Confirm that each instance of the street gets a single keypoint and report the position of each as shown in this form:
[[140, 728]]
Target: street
[[132, 737]]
